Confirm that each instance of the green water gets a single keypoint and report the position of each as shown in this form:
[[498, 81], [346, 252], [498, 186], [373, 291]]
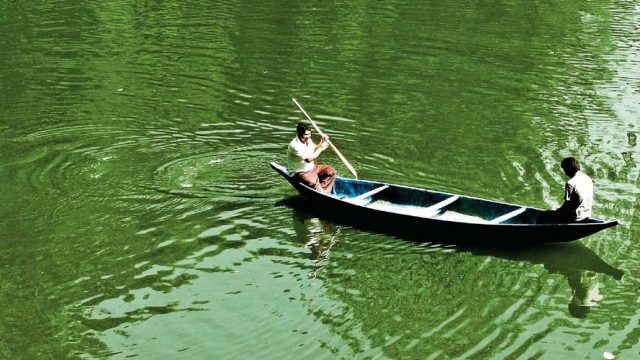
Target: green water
[[139, 216]]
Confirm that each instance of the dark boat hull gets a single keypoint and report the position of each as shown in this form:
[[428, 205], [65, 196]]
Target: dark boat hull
[[439, 230]]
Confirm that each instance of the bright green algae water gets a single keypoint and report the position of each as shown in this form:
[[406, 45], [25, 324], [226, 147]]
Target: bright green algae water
[[139, 216]]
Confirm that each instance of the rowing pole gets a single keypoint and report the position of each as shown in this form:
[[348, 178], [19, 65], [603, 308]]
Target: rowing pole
[[335, 149]]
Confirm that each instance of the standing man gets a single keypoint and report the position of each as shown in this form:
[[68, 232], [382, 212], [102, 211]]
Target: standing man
[[578, 196], [302, 153]]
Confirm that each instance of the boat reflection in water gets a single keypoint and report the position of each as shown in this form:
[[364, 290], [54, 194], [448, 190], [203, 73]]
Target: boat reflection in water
[[578, 264]]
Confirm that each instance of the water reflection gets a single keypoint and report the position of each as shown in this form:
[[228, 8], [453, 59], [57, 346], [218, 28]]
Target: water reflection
[[586, 293], [576, 262], [318, 235]]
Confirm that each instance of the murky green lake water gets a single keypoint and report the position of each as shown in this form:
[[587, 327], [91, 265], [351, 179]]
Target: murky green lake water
[[139, 216]]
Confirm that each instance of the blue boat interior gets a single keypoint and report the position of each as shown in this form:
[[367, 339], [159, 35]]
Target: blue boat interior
[[431, 204]]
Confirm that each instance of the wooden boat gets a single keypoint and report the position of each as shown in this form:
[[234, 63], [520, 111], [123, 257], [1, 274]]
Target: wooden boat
[[437, 216]]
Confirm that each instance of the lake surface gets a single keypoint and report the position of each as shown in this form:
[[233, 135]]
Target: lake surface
[[140, 218]]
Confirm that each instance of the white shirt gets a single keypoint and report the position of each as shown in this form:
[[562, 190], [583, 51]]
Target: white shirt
[[580, 190], [297, 152]]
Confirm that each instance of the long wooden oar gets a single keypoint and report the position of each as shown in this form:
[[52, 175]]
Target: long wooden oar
[[344, 160]]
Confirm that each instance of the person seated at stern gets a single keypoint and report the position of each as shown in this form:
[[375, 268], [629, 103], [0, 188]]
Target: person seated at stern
[[578, 196], [302, 153]]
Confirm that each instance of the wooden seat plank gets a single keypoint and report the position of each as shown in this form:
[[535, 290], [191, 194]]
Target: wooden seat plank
[[360, 198], [435, 207], [508, 215]]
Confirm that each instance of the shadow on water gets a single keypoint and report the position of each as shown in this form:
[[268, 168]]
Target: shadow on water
[[574, 261]]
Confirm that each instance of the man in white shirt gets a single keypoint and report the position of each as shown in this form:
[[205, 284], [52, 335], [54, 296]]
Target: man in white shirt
[[578, 192], [578, 196], [302, 153]]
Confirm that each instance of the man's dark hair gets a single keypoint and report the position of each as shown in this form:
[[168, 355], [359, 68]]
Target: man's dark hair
[[301, 128], [570, 165]]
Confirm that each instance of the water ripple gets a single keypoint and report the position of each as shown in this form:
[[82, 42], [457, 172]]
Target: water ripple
[[241, 174]]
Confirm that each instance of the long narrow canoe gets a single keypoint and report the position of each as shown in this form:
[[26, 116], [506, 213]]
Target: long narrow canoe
[[439, 216]]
